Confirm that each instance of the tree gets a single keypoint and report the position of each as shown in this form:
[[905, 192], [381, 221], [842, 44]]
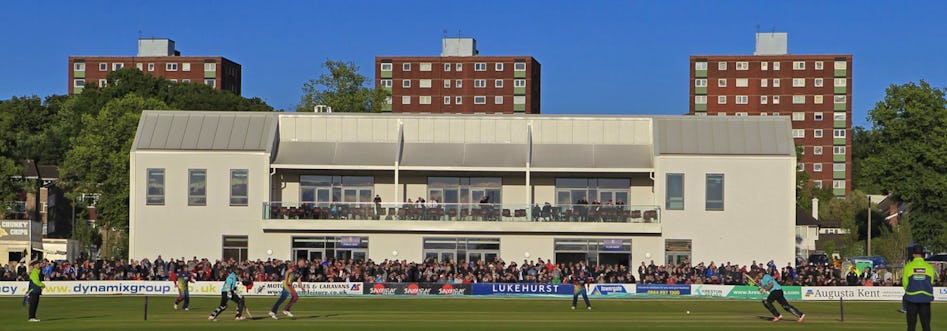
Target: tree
[[844, 212], [343, 89], [909, 156], [894, 240], [864, 145]]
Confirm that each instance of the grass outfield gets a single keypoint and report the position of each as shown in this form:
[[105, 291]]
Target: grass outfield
[[373, 313]]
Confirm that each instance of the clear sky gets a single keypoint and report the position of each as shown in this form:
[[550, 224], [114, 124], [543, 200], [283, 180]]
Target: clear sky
[[598, 57]]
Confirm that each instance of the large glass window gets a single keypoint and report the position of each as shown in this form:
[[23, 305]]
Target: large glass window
[[322, 248], [674, 196], [235, 247], [714, 192], [239, 179], [464, 189], [603, 190], [155, 195], [197, 187], [325, 189], [447, 249], [593, 251]]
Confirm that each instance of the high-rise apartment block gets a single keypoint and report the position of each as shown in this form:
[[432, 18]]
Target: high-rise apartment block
[[815, 90], [157, 57], [460, 81]]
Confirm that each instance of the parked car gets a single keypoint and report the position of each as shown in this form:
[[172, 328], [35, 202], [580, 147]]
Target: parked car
[[877, 262], [819, 259]]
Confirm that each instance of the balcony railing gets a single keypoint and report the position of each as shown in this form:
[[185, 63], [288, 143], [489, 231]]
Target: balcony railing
[[477, 212]]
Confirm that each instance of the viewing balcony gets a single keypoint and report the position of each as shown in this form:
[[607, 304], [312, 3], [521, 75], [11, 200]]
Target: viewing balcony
[[462, 212]]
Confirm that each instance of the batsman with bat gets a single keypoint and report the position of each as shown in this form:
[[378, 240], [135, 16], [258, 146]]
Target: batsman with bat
[[768, 284]]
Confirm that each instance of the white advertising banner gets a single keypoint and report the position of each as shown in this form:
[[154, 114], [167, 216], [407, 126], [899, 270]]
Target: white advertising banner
[[940, 294], [714, 291], [865, 293], [610, 289], [115, 287]]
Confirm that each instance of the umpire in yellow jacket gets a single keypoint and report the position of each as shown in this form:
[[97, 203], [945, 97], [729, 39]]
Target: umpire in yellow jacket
[[918, 281]]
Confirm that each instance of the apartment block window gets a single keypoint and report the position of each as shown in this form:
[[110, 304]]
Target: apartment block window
[[117, 66], [838, 150], [817, 150], [798, 65], [721, 99], [702, 82], [764, 82], [151, 67], [185, 80], [78, 83], [140, 66], [800, 166], [406, 100], [446, 100], [775, 82], [210, 82], [817, 116], [498, 100], [740, 114], [480, 83], [498, 67], [674, 195], [406, 67], [406, 83], [764, 100], [798, 82], [385, 83], [839, 116], [103, 82], [522, 82], [426, 66], [386, 67], [519, 66], [458, 100], [817, 167], [211, 66], [155, 194], [838, 184], [700, 65], [498, 83], [715, 192], [817, 133], [798, 133], [722, 65], [424, 83], [700, 99], [743, 66], [722, 82], [197, 187], [841, 65], [817, 82], [103, 66], [458, 83], [776, 102], [239, 181], [424, 100], [447, 83], [798, 116], [459, 67], [171, 67], [185, 67], [818, 65], [840, 99], [775, 65], [838, 167], [480, 67], [798, 99], [173, 80], [519, 100], [480, 100], [841, 82], [817, 184], [838, 133], [742, 82], [764, 65], [742, 99], [447, 66], [79, 66], [817, 99]]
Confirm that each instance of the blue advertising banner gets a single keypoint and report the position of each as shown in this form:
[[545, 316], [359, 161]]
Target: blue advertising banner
[[663, 289], [491, 289]]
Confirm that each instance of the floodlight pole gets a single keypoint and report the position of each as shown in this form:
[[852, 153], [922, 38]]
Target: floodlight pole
[[869, 226]]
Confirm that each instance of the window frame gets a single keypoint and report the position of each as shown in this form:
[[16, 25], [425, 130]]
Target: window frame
[[193, 198], [405, 83], [406, 66], [721, 99], [707, 193], [742, 65], [722, 65], [498, 66], [383, 65], [158, 198], [235, 198], [482, 101], [405, 99], [498, 83], [670, 202], [798, 65], [498, 99], [480, 66], [516, 66], [171, 66], [741, 99]]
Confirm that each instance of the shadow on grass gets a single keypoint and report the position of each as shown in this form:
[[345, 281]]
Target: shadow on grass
[[72, 318]]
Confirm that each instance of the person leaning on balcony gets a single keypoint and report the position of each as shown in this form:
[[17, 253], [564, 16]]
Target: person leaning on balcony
[[918, 281]]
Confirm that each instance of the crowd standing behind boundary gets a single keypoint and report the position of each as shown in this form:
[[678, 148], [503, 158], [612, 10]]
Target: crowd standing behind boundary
[[432, 271]]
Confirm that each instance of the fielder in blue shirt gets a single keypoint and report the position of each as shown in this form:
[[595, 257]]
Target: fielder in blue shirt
[[769, 284]]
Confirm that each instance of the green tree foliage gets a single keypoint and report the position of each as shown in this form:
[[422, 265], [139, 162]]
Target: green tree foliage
[[343, 89], [908, 156], [893, 241]]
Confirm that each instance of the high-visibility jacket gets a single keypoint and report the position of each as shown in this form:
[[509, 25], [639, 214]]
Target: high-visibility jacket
[[918, 281]]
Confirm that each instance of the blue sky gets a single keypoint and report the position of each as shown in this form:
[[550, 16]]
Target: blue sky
[[598, 57]]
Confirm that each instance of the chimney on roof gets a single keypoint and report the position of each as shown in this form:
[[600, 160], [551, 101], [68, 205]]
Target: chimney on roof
[[772, 43], [459, 47], [156, 47]]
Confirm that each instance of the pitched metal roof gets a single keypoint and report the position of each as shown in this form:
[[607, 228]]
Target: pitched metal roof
[[712, 135], [206, 131]]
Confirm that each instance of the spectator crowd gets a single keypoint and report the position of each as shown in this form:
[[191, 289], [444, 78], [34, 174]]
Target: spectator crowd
[[433, 271]]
